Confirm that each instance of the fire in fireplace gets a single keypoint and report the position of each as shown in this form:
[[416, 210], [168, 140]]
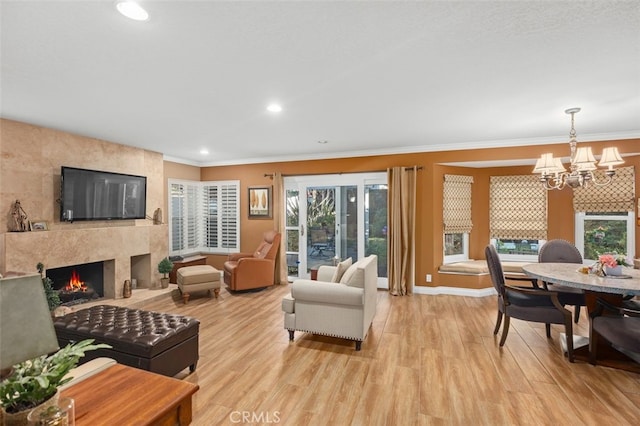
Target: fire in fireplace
[[78, 283]]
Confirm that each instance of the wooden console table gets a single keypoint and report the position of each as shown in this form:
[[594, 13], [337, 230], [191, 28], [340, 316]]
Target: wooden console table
[[187, 261], [123, 395]]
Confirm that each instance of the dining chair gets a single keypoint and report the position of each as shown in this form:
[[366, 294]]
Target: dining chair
[[526, 303], [562, 251], [619, 326]]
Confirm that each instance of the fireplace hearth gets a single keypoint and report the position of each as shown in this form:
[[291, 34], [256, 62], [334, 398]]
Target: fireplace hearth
[[78, 283]]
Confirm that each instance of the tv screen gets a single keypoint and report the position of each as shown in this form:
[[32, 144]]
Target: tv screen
[[96, 195]]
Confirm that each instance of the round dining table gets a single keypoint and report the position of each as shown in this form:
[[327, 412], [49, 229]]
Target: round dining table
[[569, 274], [610, 288]]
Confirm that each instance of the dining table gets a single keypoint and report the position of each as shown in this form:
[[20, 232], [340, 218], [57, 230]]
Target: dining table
[[612, 288]]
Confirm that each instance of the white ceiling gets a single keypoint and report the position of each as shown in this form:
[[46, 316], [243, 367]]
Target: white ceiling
[[374, 77]]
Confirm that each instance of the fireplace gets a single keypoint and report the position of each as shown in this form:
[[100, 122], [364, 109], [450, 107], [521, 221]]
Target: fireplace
[[78, 283]]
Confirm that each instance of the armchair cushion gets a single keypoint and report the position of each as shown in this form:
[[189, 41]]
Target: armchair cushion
[[323, 292], [341, 269], [354, 276]]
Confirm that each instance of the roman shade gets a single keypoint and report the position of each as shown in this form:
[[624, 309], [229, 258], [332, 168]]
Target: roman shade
[[456, 197], [618, 196], [517, 208]]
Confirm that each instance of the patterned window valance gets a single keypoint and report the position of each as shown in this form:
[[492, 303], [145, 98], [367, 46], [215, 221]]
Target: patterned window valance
[[517, 208], [457, 204], [618, 196]]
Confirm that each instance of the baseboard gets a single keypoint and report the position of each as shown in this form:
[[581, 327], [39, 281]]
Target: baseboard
[[455, 291]]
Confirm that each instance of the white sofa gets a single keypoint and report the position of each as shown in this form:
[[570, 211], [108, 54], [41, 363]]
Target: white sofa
[[342, 309]]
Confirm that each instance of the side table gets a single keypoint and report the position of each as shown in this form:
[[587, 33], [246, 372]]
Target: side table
[[123, 395]]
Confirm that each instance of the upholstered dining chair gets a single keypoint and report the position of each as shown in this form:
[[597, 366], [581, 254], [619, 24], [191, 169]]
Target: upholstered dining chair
[[526, 303], [619, 326], [562, 251]]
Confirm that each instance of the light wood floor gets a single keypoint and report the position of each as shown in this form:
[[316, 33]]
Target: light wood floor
[[427, 360]]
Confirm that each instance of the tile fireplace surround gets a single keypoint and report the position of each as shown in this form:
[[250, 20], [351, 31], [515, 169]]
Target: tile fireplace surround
[[127, 252]]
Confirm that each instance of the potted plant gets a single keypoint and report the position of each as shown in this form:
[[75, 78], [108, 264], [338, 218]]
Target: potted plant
[[53, 297], [35, 382], [164, 267]]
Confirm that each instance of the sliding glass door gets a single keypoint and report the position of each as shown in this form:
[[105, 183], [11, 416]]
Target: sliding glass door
[[333, 217]]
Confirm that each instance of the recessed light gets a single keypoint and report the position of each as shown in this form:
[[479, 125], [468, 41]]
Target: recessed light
[[204, 151], [323, 142], [274, 108], [132, 10]]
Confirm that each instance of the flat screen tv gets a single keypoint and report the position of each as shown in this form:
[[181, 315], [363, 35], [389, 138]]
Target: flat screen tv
[[95, 195]]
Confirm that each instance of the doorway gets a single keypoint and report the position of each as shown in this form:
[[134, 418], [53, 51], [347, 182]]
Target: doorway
[[332, 217]]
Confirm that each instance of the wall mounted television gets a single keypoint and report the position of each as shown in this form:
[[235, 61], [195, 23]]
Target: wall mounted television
[[97, 195]]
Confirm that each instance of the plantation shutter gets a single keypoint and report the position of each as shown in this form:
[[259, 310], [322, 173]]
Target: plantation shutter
[[230, 218], [618, 196], [176, 212], [210, 215], [204, 217], [517, 208], [457, 204]]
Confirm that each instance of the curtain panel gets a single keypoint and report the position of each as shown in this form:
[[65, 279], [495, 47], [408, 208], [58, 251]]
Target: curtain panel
[[401, 201], [281, 273], [517, 208], [618, 196], [456, 212]]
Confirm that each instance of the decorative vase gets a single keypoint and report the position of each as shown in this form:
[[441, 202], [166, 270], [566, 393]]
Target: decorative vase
[[126, 289], [20, 418], [613, 271], [164, 282]]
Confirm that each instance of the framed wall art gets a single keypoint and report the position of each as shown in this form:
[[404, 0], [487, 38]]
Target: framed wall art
[[39, 225], [260, 202]]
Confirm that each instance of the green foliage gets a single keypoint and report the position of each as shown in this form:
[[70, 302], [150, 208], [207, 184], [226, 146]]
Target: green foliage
[[34, 381], [378, 246], [53, 296], [165, 266], [602, 237]]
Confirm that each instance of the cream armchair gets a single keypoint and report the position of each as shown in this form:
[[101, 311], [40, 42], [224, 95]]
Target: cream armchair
[[344, 308]]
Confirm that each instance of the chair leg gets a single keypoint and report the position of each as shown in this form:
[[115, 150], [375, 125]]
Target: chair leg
[[593, 345], [568, 327], [548, 328], [576, 313], [291, 332], [505, 330], [498, 322]]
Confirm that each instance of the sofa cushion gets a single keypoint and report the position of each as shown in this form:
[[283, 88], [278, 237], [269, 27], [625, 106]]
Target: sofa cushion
[[353, 276], [341, 269]]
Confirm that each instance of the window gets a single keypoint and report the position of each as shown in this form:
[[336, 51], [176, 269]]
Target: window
[[604, 216], [204, 217], [456, 217], [456, 247], [600, 233], [517, 216]]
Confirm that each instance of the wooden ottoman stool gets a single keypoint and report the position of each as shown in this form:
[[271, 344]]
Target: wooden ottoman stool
[[198, 278]]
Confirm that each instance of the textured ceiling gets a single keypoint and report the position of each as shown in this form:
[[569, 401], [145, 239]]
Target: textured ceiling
[[375, 77]]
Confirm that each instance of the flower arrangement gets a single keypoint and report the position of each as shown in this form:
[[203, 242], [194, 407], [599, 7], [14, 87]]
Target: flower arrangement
[[608, 261], [612, 261]]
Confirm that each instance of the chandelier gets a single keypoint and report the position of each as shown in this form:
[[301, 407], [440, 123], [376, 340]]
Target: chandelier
[[553, 174]]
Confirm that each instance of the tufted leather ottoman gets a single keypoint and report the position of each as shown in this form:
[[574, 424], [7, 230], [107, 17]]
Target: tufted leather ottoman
[[160, 342]]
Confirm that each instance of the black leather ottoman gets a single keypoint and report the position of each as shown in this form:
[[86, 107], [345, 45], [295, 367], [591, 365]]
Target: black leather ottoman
[[160, 342]]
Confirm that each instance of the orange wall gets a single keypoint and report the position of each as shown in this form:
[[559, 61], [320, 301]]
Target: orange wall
[[429, 196]]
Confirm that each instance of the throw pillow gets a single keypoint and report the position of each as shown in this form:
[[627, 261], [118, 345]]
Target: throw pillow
[[353, 277], [340, 270]]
